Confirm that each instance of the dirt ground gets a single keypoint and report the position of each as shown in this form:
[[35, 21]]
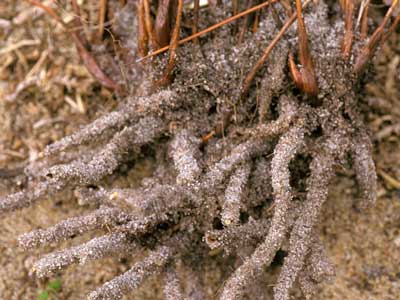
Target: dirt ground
[[46, 93]]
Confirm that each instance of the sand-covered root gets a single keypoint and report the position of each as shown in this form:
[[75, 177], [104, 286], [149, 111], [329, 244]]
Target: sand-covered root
[[211, 152]]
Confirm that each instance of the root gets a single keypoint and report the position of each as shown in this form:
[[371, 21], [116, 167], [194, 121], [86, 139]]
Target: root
[[24, 198], [300, 237], [223, 168], [260, 182], [86, 173], [364, 168], [232, 239], [97, 248], [130, 280], [247, 189], [138, 202], [116, 120], [318, 268], [271, 86], [233, 195], [289, 144], [172, 288], [104, 163], [105, 216], [184, 152], [252, 147], [193, 285]]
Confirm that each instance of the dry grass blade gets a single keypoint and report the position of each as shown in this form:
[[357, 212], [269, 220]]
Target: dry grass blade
[[18, 45], [377, 38], [50, 11], [89, 61]]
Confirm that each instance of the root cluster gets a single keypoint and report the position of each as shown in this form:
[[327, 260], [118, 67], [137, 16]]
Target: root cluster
[[256, 188]]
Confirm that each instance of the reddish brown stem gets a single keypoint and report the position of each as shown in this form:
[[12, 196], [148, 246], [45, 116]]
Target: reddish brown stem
[[275, 16], [235, 7], [304, 78], [143, 39], [342, 4], [213, 27], [245, 23], [348, 31], [195, 22], [391, 29], [102, 17], [364, 23], [89, 61], [207, 137], [148, 23], [93, 67], [256, 22], [173, 46], [162, 29]]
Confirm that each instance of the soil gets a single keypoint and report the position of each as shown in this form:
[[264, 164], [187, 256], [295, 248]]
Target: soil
[[363, 245]]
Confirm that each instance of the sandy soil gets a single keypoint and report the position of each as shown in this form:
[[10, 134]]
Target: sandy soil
[[364, 245]]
